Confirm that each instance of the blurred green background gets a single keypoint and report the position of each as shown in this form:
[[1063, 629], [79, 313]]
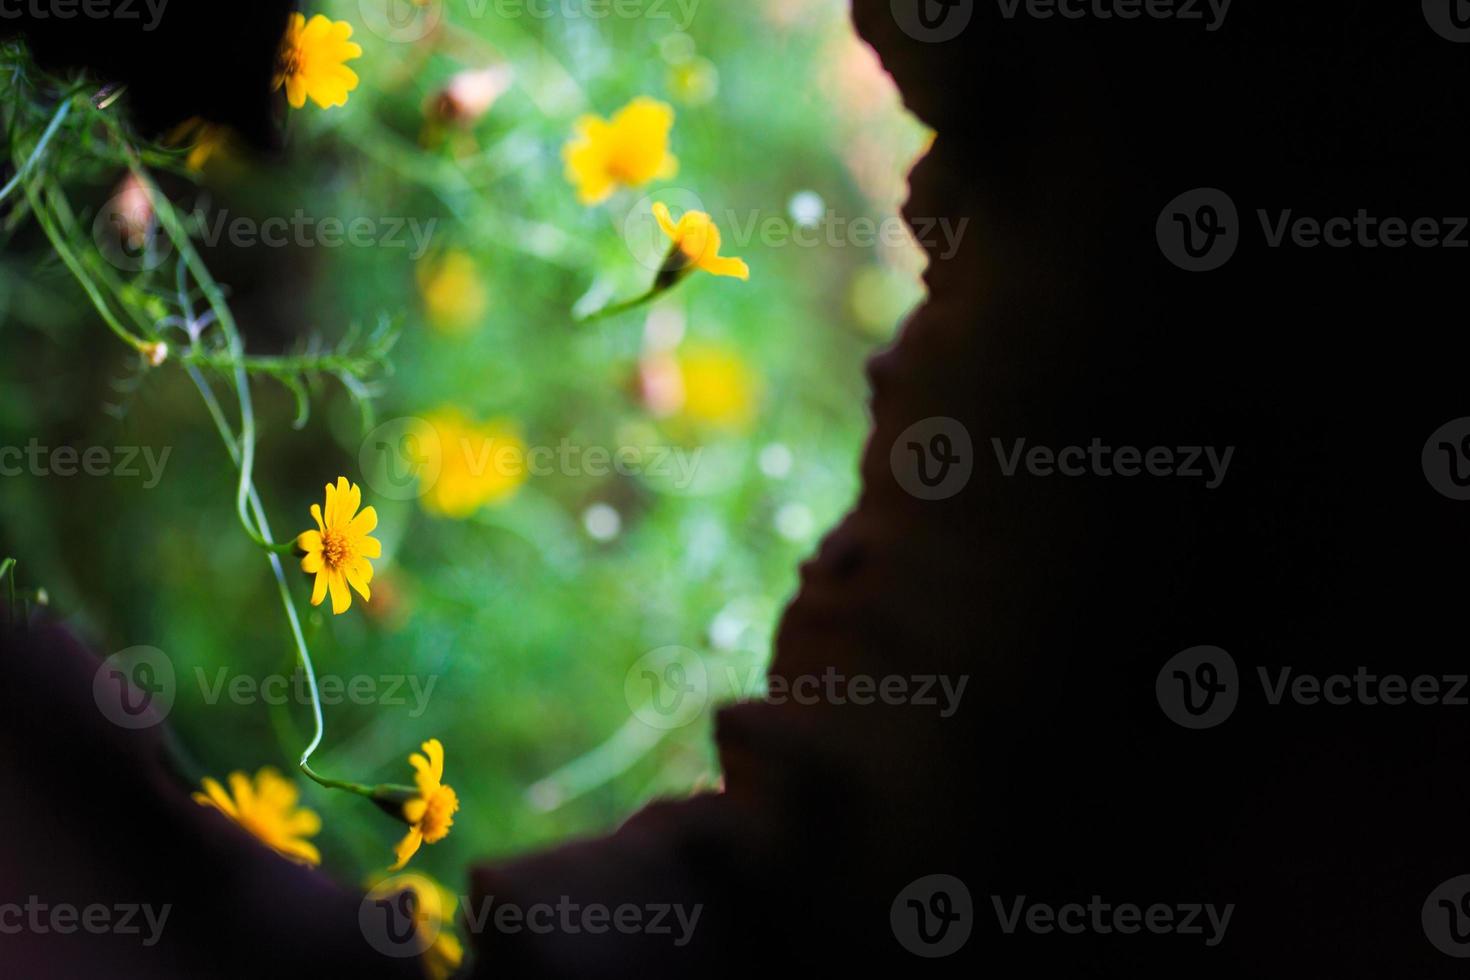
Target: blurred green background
[[527, 614]]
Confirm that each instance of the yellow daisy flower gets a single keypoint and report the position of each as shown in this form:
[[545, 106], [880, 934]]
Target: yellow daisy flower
[[267, 808], [430, 814], [696, 244], [313, 61], [337, 552], [628, 150]]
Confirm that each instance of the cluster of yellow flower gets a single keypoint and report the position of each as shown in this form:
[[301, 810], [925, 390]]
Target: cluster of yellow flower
[[476, 463], [267, 808], [630, 150], [338, 554]]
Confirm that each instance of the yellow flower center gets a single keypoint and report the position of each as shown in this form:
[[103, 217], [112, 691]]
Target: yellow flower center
[[290, 62], [438, 816], [336, 549]]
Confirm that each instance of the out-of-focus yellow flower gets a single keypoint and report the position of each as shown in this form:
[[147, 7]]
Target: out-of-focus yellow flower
[[267, 808], [432, 914], [337, 552], [696, 244], [390, 603], [313, 61], [719, 388], [476, 464], [430, 814], [204, 139], [628, 150], [455, 298]]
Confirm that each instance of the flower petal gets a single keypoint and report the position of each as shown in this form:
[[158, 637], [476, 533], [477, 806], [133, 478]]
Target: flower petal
[[303, 823], [434, 749], [243, 790], [407, 847], [295, 91], [735, 268], [217, 797], [665, 220], [305, 851], [341, 598], [357, 580], [363, 523], [319, 589]]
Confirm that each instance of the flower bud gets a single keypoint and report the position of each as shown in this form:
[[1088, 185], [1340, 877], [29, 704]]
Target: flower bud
[[470, 94]]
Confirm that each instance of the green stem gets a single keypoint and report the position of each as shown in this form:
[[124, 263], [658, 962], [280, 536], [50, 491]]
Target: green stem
[[623, 307], [78, 271], [103, 270], [22, 170], [214, 296], [303, 654], [278, 366], [321, 780], [7, 572]]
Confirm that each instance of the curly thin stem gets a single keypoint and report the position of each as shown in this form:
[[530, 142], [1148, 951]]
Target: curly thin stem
[[303, 654], [214, 296]]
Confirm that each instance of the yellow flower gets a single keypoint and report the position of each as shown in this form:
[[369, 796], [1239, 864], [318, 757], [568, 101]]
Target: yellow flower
[[337, 552], [696, 244], [719, 388], [431, 813], [628, 150], [267, 808], [313, 61], [432, 915], [454, 295], [473, 464]]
